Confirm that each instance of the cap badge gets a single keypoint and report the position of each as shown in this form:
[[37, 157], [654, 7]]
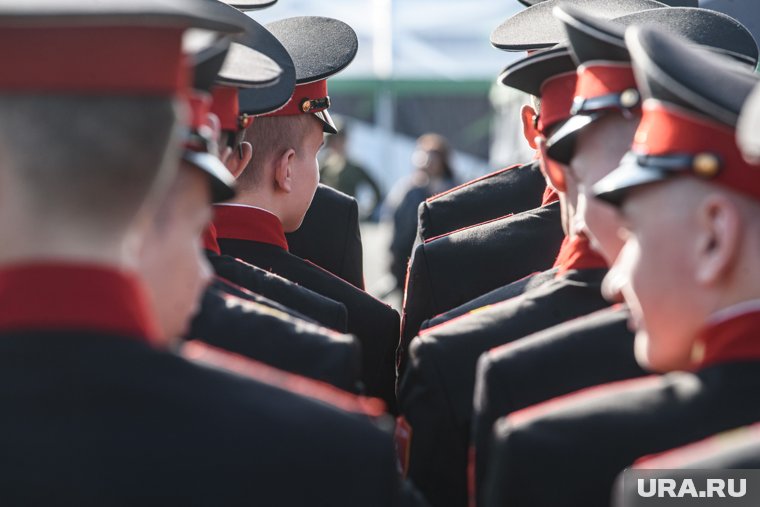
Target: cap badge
[[705, 165], [309, 105], [629, 98]]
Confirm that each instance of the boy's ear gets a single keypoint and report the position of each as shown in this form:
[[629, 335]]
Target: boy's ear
[[283, 171], [529, 118], [238, 159]]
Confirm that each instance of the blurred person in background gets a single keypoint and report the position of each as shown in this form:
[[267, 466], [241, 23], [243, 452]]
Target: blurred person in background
[[432, 175], [340, 172]]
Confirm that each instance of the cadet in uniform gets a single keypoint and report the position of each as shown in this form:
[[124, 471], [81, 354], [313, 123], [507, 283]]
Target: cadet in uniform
[[599, 348], [258, 329], [277, 187], [689, 202], [101, 413]]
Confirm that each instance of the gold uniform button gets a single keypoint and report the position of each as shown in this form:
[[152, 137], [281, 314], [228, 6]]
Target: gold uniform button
[[306, 106], [629, 98], [706, 165]]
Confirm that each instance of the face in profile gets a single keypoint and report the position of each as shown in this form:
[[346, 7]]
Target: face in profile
[[599, 150], [655, 274], [172, 262]]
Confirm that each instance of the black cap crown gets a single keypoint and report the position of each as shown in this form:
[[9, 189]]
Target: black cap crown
[[537, 28]]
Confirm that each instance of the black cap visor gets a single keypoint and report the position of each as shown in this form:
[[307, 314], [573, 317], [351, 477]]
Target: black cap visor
[[221, 180], [630, 174]]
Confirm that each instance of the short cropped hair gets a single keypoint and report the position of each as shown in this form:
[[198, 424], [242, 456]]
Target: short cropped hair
[[270, 137], [91, 161]]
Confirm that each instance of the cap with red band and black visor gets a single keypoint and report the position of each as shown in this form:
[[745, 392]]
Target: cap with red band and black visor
[[105, 48], [251, 62], [320, 47], [549, 73], [692, 101], [606, 82]]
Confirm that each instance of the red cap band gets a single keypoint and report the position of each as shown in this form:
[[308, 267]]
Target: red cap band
[[93, 60], [665, 130], [556, 99], [598, 80], [304, 98]]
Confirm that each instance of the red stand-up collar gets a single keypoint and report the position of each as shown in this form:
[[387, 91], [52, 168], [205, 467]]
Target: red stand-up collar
[[733, 339], [209, 240], [576, 253], [250, 224], [67, 297]]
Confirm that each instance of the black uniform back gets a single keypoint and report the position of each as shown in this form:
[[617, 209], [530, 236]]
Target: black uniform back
[[450, 270], [330, 237], [587, 351], [507, 191], [327, 312], [496, 296], [278, 339], [436, 392]]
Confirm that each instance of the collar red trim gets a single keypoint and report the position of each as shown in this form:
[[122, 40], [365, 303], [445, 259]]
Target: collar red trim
[[120, 59], [735, 339], [57, 297], [301, 101], [666, 130], [250, 224], [557, 95], [598, 80], [209, 240], [576, 253]]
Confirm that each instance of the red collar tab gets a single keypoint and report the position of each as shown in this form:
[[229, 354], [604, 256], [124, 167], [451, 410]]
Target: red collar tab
[[120, 60], [557, 94], [605, 86], [226, 106], [209, 240], [576, 253], [550, 196], [734, 339], [249, 224], [675, 140], [307, 98], [75, 297]]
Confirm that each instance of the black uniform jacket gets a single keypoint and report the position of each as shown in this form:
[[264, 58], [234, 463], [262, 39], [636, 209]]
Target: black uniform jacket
[[94, 414], [511, 190], [579, 443], [224, 286], [452, 269], [321, 309], [329, 235], [278, 339], [584, 352], [491, 298], [256, 237], [436, 392]]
